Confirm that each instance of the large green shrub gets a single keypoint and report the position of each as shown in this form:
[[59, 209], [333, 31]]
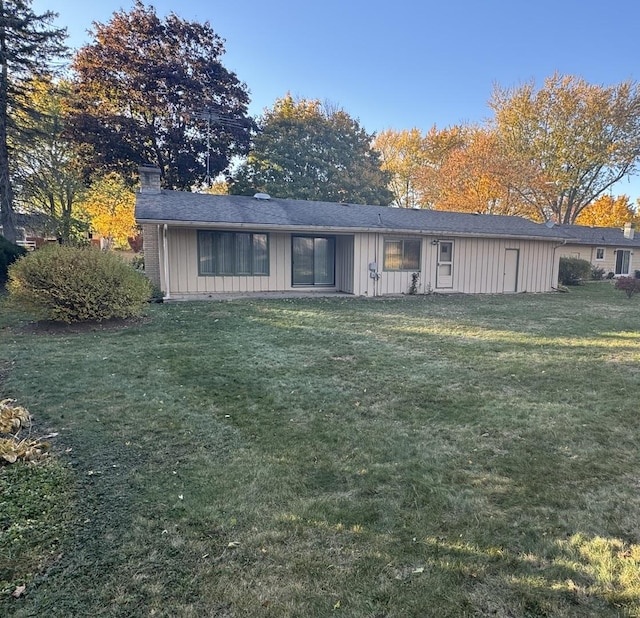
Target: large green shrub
[[574, 271], [9, 253], [72, 284]]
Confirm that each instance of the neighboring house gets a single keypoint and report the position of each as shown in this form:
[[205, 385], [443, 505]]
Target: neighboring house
[[198, 245], [33, 229], [609, 248]]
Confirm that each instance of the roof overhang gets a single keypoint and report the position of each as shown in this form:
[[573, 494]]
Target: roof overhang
[[345, 230]]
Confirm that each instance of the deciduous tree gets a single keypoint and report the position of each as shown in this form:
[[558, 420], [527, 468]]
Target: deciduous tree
[[146, 88], [575, 140], [608, 211], [403, 155], [306, 151], [478, 176], [109, 204], [438, 144], [28, 42]]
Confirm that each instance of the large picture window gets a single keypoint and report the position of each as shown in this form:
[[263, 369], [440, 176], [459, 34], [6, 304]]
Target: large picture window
[[232, 253], [402, 254]]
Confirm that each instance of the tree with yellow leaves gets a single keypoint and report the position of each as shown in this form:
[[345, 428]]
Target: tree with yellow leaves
[[608, 211], [573, 140], [403, 155], [109, 204]]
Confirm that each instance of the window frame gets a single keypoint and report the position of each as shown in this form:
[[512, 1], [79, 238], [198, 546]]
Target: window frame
[[403, 256], [600, 259], [331, 255], [232, 236]]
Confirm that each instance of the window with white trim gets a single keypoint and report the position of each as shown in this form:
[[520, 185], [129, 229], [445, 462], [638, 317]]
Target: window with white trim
[[599, 253]]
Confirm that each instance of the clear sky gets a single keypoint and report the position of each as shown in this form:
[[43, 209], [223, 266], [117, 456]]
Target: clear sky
[[406, 63]]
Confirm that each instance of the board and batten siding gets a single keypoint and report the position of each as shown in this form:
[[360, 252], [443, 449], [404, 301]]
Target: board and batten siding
[[483, 268], [478, 265], [183, 267], [344, 264], [588, 252]]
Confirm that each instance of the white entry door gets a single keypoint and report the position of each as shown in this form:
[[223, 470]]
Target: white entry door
[[444, 266], [511, 259]]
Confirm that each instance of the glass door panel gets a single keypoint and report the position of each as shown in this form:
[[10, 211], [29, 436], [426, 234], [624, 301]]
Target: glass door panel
[[302, 255], [313, 260]]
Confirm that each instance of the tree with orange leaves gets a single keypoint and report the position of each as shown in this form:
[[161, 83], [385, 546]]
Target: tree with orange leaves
[[608, 211], [439, 144], [480, 177]]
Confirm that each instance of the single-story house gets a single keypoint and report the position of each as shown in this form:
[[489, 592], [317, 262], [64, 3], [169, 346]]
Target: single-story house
[[609, 248], [198, 245]]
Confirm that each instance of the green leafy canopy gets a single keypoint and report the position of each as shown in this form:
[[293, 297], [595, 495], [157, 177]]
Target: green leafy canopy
[[306, 151]]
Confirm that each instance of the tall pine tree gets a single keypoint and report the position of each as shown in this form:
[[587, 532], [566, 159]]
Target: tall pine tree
[[27, 43]]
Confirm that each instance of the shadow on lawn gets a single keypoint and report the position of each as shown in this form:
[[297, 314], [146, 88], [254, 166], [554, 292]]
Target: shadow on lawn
[[579, 576]]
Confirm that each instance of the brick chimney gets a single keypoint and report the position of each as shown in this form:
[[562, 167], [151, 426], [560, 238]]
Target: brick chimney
[[149, 178], [628, 231]]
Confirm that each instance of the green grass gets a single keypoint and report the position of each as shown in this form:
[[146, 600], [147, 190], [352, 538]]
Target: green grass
[[435, 456]]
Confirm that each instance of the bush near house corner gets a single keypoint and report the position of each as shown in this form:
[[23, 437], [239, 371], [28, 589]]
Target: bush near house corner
[[9, 253], [72, 284], [629, 285], [574, 271]]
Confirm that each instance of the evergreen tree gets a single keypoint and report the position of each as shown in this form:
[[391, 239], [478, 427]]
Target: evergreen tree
[[27, 43], [48, 167]]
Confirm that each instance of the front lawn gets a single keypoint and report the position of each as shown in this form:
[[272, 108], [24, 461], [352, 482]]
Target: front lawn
[[424, 456]]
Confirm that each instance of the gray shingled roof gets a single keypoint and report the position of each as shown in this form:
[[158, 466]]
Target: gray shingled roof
[[601, 236], [185, 208]]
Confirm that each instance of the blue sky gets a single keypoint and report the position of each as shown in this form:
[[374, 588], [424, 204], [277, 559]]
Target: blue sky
[[406, 63]]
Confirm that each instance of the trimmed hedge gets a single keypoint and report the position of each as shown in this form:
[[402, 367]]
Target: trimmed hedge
[[72, 284], [574, 271], [9, 253]]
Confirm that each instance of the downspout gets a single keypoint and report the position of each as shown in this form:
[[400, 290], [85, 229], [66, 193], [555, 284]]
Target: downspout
[[562, 244], [165, 256], [376, 279]]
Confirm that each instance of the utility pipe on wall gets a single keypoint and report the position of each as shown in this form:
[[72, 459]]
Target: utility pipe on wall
[[165, 255]]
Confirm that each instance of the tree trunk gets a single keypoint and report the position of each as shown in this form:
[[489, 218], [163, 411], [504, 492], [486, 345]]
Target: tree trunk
[[7, 215]]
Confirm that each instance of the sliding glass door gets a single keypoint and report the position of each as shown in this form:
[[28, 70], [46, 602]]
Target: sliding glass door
[[313, 260]]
